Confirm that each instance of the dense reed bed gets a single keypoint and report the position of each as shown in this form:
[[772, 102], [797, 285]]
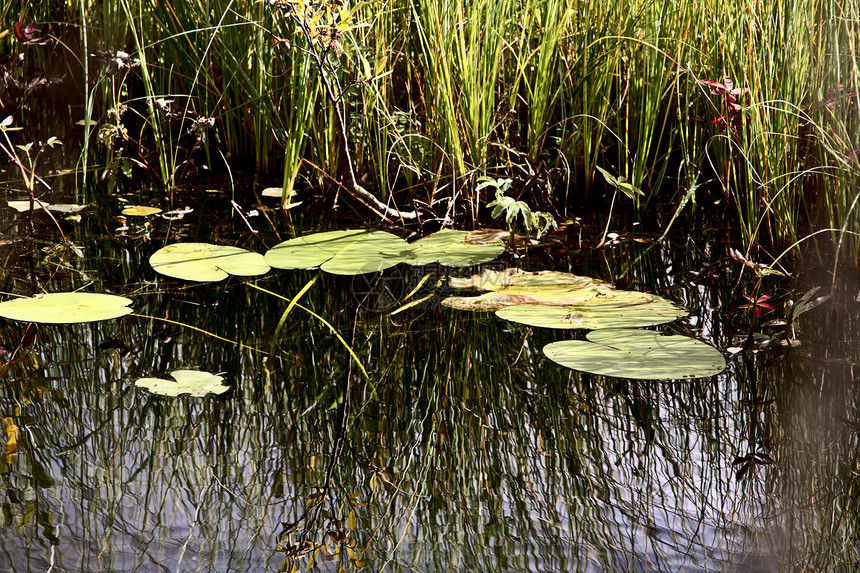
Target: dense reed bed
[[751, 105]]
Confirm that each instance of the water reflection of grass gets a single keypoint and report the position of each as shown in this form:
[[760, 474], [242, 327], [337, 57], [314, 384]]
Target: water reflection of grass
[[474, 452]]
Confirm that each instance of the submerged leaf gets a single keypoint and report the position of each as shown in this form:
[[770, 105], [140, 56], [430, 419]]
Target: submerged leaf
[[449, 248], [190, 382], [615, 309], [638, 354], [66, 308], [515, 287], [204, 262], [552, 299], [497, 280], [349, 252]]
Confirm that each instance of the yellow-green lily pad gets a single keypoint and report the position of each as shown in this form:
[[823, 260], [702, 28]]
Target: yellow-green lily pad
[[185, 382], [204, 262], [141, 211], [638, 354], [349, 252], [66, 308], [449, 247]]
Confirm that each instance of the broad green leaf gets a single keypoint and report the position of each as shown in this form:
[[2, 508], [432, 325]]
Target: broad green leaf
[[630, 190], [613, 309], [350, 252], [203, 262], [185, 382], [450, 248], [141, 211], [66, 308], [638, 354], [606, 175]]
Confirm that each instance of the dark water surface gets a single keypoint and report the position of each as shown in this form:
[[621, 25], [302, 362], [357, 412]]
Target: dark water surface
[[466, 451]]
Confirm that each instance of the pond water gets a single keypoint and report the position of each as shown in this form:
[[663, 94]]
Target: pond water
[[465, 449]]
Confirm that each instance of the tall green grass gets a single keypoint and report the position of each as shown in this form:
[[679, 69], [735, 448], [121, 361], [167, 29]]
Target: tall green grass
[[438, 93]]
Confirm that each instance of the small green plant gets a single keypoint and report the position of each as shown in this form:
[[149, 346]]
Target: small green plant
[[537, 221], [620, 184], [28, 172]]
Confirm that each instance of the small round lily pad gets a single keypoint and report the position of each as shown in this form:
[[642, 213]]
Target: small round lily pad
[[449, 248], [66, 308], [141, 211], [185, 382], [638, 354], [204, 262], [348, 252]]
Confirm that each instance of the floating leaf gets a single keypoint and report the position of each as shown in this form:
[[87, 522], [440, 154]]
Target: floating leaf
[[485, 236], [450, 248], [204, 262], [554, 299], [66, 208], [66, 308], [141, 211], [515, 287], [638, 354], [276, 192], [351, 252], [615, 309], [190, 382], [23, 205]]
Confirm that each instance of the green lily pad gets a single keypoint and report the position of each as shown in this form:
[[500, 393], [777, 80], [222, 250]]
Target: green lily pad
[[185, 382], [350, 252], [614, 309], [449, 248], [141, 211], [638, 354], [203, 262], [66, 308]]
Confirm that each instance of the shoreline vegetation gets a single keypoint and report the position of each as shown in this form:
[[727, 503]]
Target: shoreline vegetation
[[408, 105]]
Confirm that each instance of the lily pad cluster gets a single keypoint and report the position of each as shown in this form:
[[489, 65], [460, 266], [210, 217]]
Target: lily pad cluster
[[550, 299], [348, 252]]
